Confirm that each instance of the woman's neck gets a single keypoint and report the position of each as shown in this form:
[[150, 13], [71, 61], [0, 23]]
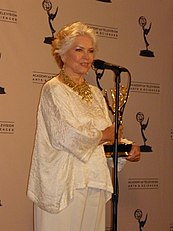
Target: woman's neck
[[76, 78]]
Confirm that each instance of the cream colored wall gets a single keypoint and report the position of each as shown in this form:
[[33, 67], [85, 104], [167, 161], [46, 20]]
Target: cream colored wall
[[24, 56]]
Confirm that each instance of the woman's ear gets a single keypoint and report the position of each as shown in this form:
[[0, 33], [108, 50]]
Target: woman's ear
[[63, 58]]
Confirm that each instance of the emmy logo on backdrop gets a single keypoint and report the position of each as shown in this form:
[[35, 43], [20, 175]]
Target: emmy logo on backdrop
[[2, 90], [140, 119], [47, 6], [142, 22], [138, 216], [107, 1]]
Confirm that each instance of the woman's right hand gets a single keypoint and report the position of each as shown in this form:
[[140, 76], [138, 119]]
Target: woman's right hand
[[108, 135]]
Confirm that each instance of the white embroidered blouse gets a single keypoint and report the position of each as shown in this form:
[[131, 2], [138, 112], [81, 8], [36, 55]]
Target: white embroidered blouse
[[66, 153]]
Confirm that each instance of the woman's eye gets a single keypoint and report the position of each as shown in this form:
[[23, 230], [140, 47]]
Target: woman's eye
[[78, 49], [91, 51]]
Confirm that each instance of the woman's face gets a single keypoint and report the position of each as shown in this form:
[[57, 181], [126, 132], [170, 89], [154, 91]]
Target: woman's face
[[79, 57]]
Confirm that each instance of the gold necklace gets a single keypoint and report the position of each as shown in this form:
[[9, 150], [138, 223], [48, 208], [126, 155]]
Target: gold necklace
[[83, 89]]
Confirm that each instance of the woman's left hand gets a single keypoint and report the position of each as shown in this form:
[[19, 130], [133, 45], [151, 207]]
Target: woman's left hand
[[134, 155]]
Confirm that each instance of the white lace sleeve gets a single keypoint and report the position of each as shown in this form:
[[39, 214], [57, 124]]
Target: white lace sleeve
[[62, 130]]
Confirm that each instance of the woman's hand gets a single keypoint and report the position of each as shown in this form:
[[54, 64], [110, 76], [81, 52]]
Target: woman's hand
[[108, 135], [120, 133], [134, 155]]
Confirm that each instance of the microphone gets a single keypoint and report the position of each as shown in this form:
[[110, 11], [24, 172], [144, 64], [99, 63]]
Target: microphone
[[100, 64]]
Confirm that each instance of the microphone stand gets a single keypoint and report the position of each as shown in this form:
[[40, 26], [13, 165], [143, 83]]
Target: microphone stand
[[115, 194], [117, 118]]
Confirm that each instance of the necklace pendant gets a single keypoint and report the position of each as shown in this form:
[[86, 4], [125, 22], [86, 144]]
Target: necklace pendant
[[82, 90]]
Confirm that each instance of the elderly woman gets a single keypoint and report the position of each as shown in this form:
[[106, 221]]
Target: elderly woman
[[69, 180]]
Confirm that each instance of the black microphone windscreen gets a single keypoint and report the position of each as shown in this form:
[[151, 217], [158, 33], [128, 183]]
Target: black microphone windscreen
[[98, 64]]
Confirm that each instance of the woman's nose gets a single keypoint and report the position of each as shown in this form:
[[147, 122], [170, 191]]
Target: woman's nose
[[86, 55]]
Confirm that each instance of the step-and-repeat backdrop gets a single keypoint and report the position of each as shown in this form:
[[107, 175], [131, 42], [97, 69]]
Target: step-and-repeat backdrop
[[135, 34]]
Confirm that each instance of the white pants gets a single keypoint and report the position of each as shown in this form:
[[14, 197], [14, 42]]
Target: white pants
[[85, 213]]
